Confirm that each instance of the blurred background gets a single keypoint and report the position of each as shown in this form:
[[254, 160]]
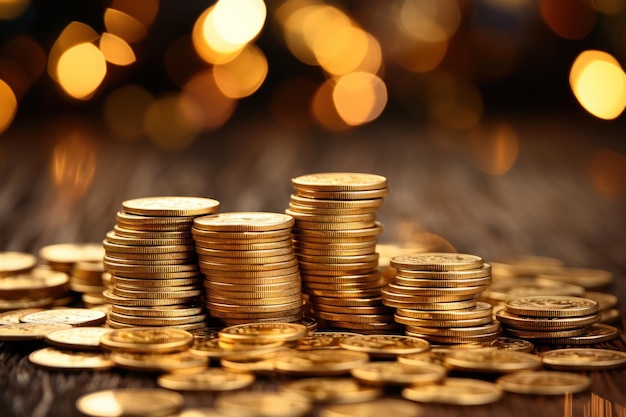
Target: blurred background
[[499, 123]]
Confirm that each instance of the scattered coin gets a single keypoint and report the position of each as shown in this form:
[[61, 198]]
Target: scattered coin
[[385, 346], [459, 391], [511, 289], [12, 263], [173, 206], [596, 333], [210, 379], [583, 359], [130, 402], [69, 360], [147, 340], [552, 306], [14, 316], [71, 316], [322, 362], [266, 332], [373, 408], [330, 390], [77, 338], [398, 373], [261, 404], [323, 340], [493, 361], [544, 382], [28, 331], [158, 362]]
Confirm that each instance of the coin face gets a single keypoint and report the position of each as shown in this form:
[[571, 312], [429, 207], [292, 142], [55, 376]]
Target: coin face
[[258, 403], [244, 221], [460, 391], [79, 338], [583, 359], [544, 382], [321, 362], [492, 360], [52, 358], [397, 373], [323, 340], [373, 408], [171, 206], [151, 339], [511, 343], [133, 402], [71, 316], [28, 331], [64, 253], [211, 379], [436, 261], [14, 316], [385, 345], [16, 262], [265, 331], [331, 390], [340, 181], [552, 306]]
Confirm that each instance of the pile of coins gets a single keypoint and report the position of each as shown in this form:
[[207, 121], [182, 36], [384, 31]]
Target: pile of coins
[[435, 295], [251, 272], [334, 238], [549, 319], [151, 257]]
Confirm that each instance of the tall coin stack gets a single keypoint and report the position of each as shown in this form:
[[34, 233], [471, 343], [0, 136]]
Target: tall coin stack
[[251, 272], [334, 237], [435, 295], [151, 257]]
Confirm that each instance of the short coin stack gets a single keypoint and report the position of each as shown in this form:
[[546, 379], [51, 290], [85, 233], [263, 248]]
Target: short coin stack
[[549, 319], [151, 257], [435, 295], [251, 272], [334, 238]]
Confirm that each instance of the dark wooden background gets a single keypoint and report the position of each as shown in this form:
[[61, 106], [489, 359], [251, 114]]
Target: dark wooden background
[[545, 205]]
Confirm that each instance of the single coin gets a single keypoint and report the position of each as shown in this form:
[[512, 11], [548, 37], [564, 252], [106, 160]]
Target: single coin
[[409, 321], [323, 340], [489, 328], [158, 362], [109, 297], [253, 309], [395, 288], [397, 373], [24, 302], [214, 348], [16, 262], [373, 408], [77, 338], [511, 343], [605, 301], [585, 277], [321, 362], [211, 379], [14, 316], [583, 359], [149, 234], [261, 404], [342, 195], [432, 306], [331, 218], [71, 316], [367, 234], [284, 332], [69, 360], [244, 222], [171, 206], [330, 390], [158, 311], [261, 363], [545, 323], [597, 333], [385, 345], [361, 301], [112, 237], [70, 253], [340, 181], [545, 335], [441, 283], [147, 340], [552, 306], [335, 203], [130, 402], [544, 382], [492, 361], [323, 211], [455, 339], [459, 391], [139, 221], [156, 321], [510, 289], [407, 274], [28, 331], [436, 261], [38, 283], [481, 310]]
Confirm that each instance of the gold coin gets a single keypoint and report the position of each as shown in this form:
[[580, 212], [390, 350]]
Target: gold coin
[[335, 204], [212, 379], [605, 301], [228, 287], [243, 247], [323, 211], [408, 275], [121, 402], [322, 340], [381, 309], [156, 321], [281, 272], [455, 339], [409, 321], [244, 222], [28, 331], [210, 237], [284, 332], [545, 324], [147, 340], [336, 246], [259, 362], [255, 293], [171, 206], [144, 302], [177, 258], [112, 237], [511, 343], [321, 362], [147, 227], [492, 361], [16, 262], [68, 360], [38, 283], [269, 266], [156, 270], [216, 254], [597, 333], [410, 301], [544, 382], [480, 310], [77, 338], [342, 195], [331, 218], [552, 306], [506, 290], [369, 328], [354, 259], [118, 248], [373, 408], [459, 391], [71, 316], [14, 316], [229, 307], [135, 283], [254, 302], [385, 345], [584, 277], [245, 262], [583, 359], [394, 287], [436, 261], [370, 249], [441, 283], [457, 331], [340, 181], [348, 302], [260, 403], [526, 265], [70, 253], [139, 221], [355, 318], [330, 390], [367, 233], [147, 234], [302, 225], [188, 292], [158, 362], [213, 348], [546, 336], [241, 284], [187, 327], [396, 373]]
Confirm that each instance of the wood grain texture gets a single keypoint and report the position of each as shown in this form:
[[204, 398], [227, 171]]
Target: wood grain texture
[[545, 205]]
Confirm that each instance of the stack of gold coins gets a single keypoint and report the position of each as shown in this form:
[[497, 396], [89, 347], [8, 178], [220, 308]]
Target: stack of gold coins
[[548, 319], [334, 237], [151, 258], [86, 278], [251, 272], [435, 295], [40, 287]]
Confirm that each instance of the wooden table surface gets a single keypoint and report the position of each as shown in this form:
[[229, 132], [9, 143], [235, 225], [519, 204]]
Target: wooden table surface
[[553, 202]]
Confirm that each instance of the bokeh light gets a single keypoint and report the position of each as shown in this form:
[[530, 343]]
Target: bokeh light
[[213, 107], [454, 103], [607, 171], [73, 164], [359, 97], [208, 43], [145, 11], [12, 9], [324, 110], [28, 55], [8, 106], [124, 26], [599, 84], [116, 50], [172, 123], [428, 20], [494, 148], [81, 70], [238, 21], [74, 33], [243, 75], [570, 19], [124, 110]]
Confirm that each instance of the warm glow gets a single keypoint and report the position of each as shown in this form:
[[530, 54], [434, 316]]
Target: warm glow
[[124, 110], [345, 49], [124, 26], [414, 238], [181, 61], [28, 55], [324, 110], [243, 75], [238, 21], [144, 11], [209, 45], [359, 97], [610, 6], [11, 9], [171, 123], [454, 103], [74, 34], [291, 101], [8, 106], [494, 150], [213, 107], [599, 84], [420, 56], [570, 19], [74, 165], [81, 70], [13, 75], [607, 171], [116, 50], [429, 20]]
